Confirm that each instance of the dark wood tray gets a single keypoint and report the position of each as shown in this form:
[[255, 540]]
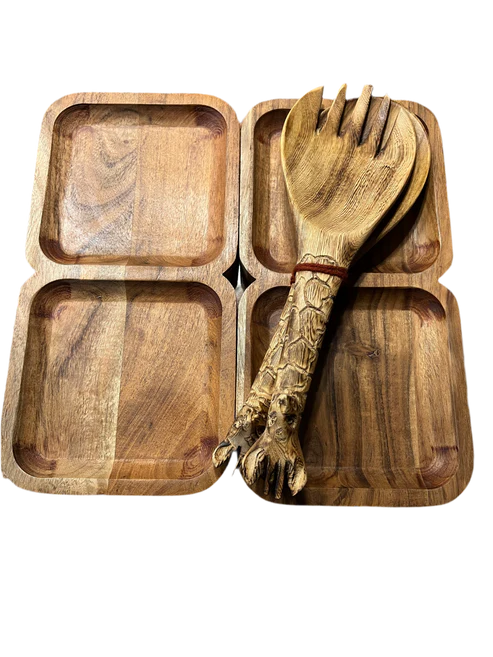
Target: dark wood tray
[[122, 370]]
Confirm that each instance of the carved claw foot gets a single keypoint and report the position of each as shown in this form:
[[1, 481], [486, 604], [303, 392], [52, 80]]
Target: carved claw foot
[[276, 455], [243, 433]]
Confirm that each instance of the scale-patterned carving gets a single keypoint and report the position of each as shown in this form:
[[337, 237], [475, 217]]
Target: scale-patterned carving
[[290, 358]]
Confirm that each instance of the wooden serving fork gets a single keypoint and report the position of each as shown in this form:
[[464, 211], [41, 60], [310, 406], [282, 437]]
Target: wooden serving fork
[[340, 184]]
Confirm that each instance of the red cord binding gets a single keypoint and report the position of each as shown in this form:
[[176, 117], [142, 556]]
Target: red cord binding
[[332, 270]]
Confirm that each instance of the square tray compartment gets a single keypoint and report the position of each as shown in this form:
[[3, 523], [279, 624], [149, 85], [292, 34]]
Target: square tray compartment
[[121, 382], [268, 230], [380, 414], [137, 185], [388, 421]]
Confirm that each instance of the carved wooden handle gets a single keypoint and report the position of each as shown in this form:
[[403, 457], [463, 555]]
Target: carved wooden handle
[[265, 431], [251, 420], [277, 453]]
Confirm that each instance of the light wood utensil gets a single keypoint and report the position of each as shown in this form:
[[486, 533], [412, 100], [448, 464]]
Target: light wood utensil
[[251, 420], [341, 181]]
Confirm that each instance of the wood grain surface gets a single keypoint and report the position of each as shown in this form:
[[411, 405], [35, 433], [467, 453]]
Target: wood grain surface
[[387, 423], [122, 369]]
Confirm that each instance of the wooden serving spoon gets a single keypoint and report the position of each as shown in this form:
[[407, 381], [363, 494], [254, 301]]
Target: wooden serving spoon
[[341, 184], [251, 420]]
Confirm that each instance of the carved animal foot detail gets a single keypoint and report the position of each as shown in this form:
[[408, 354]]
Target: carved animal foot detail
[[276, 455], [244, 431]]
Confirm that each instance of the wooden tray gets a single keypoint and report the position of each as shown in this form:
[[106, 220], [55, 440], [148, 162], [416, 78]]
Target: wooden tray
[[387, 422], [122, 370]]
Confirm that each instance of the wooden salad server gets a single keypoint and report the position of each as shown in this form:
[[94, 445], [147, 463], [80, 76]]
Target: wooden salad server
[[342, 178]]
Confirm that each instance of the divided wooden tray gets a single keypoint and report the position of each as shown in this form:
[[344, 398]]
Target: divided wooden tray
[[122, 373], [387, 422], [122, 370]]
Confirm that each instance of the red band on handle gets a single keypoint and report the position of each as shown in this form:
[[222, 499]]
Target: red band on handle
[[332, 270]]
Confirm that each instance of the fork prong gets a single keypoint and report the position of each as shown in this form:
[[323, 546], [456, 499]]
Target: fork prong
[[330, 118], [360, 111], [393, 113], [378, 125], [306, 110]]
